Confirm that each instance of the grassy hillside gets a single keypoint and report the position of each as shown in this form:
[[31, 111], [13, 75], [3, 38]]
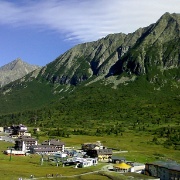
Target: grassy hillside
[[100, 110]]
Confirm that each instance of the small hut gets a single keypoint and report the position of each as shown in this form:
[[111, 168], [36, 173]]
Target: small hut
[[122, 167]]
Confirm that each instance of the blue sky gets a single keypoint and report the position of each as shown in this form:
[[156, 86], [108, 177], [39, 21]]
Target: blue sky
[[38, 31]]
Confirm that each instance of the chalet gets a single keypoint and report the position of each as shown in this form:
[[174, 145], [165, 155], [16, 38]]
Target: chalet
[[163, 170], [101, 154]]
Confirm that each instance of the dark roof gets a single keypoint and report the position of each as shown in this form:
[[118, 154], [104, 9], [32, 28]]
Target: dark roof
[[25, 138], [166, 164], [22, 130], [104, 151], [42, 146], [46, 150], [89, 146], [53, 142], [118, 158]]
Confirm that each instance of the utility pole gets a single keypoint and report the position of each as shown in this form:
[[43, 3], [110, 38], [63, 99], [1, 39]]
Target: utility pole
[[10, 154]]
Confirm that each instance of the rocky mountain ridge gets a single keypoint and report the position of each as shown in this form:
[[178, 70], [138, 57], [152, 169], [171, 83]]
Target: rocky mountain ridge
[[15, 70], [148, 58], [154, 47]]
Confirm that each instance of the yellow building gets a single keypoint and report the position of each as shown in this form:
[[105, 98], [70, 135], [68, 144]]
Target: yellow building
[[122, 167]]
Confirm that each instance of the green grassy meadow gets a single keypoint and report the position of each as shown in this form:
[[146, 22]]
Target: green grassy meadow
[[25, 166], [139, 148]]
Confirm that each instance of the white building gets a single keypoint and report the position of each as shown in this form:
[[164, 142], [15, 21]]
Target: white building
[[88, 162], [14, 152], [83, 162]]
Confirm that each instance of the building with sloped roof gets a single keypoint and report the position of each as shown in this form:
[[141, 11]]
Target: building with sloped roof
[[23, 143], [117, 159], [43, 149], [89, 146], [122, 167], [48, 147], [101, 154], [168, 170]]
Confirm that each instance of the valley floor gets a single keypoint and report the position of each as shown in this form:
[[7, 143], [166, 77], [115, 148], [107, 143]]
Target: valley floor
[[131, 146]]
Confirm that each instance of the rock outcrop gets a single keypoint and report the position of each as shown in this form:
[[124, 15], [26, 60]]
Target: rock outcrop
[[154, 47]]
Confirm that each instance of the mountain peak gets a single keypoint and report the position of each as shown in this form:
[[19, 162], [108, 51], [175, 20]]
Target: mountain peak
[[168, 17], [18, 60], [11, 65], [15, 70], [166, 14], [18, 63], [155, 45]]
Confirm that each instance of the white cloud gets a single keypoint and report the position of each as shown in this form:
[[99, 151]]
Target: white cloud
[[85, 20]]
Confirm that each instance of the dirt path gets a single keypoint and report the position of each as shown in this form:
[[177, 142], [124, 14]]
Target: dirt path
[[104, 168]]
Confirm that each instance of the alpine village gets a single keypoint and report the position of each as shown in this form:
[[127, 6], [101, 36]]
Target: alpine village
[[107, 109]]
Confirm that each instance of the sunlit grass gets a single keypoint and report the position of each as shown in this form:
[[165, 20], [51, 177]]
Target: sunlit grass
[[139, 148]]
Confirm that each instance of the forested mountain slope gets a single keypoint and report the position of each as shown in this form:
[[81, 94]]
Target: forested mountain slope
[[149, 58]]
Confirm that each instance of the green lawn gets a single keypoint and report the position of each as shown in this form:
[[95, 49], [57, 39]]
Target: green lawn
[[140, 149], [139, 146]]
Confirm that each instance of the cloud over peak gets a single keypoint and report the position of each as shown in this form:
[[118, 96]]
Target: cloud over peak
[[84, 20]]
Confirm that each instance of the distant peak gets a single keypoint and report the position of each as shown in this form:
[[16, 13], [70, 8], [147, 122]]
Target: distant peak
[[168, 15], [14, 70], [18, 59]]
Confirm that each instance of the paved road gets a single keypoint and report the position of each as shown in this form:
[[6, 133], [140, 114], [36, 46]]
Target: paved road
[[62, 176], [7, 139]]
